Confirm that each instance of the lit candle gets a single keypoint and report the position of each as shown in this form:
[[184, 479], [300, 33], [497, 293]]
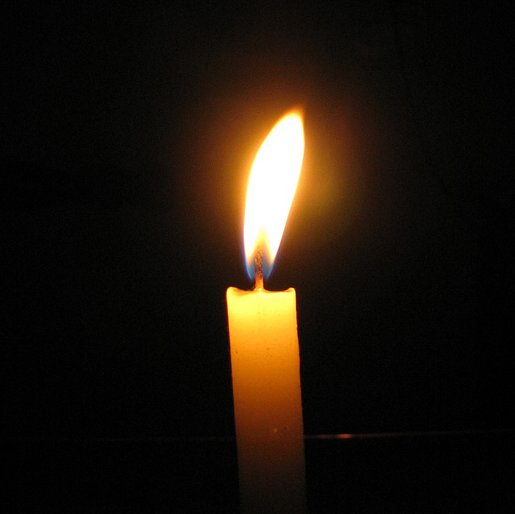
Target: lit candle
[[263, 338]]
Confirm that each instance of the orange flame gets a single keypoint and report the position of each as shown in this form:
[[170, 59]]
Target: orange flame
[[271, 188]]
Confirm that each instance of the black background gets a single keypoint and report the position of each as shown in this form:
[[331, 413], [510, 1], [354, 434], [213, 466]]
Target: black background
[[127, 136]]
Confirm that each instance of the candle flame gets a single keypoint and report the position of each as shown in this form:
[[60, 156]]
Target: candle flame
[[272, 183]]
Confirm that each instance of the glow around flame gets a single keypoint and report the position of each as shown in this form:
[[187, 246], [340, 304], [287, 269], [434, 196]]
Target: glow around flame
[[270, 191]]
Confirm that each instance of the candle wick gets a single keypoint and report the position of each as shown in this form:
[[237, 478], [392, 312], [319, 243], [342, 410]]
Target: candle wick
[[258, 270]]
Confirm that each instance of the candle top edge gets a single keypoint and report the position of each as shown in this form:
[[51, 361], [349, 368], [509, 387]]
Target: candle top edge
[[243, 292]]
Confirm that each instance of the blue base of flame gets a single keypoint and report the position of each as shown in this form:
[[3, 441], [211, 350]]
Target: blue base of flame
[[267, 264]]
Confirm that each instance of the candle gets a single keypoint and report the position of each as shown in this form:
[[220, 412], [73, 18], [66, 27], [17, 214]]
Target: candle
[[263, 338]]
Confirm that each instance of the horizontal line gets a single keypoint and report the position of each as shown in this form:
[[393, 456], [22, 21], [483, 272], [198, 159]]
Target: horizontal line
[[381, 435], [309, 437]]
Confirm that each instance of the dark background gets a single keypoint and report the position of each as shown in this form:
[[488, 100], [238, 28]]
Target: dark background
[[127, 137]]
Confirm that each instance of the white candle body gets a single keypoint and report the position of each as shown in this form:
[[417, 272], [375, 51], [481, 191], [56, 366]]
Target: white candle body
[[267, 400]]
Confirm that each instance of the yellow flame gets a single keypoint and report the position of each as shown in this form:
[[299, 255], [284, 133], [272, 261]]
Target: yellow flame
[[272, 183]]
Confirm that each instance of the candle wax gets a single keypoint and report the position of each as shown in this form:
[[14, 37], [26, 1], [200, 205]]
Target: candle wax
[[267, 400]]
